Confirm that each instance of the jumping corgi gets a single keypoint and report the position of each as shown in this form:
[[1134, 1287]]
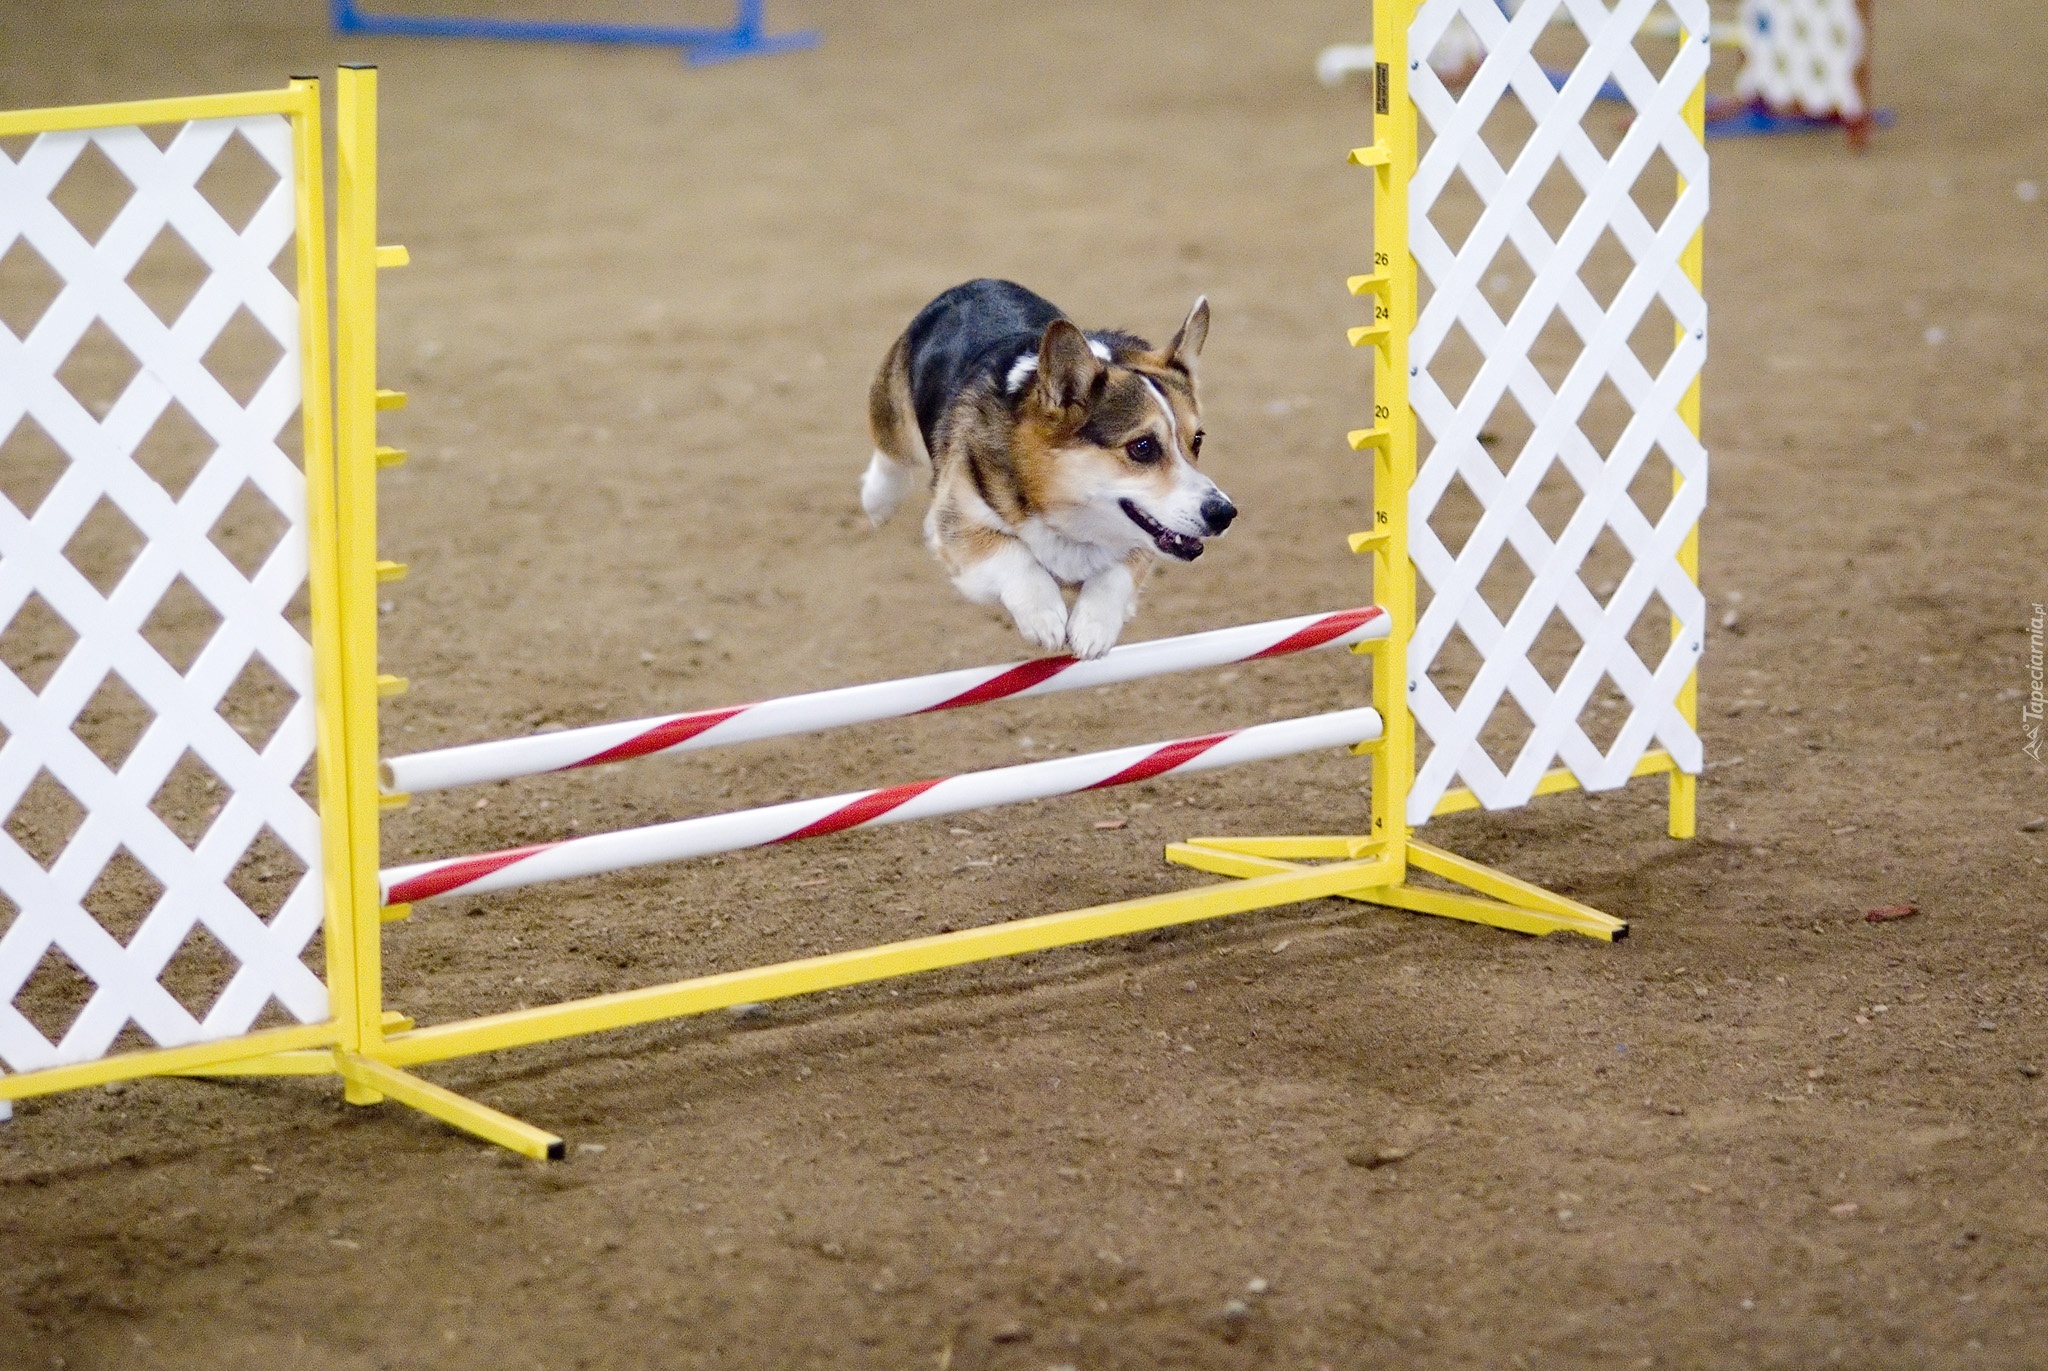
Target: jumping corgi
[[1057, 458]]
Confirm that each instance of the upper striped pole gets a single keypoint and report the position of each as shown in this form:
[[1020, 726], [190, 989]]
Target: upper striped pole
[[783, 823], [816, 711]]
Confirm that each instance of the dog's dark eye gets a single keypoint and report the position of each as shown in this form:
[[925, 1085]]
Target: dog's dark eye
[[1195, 443], [1144, 451]]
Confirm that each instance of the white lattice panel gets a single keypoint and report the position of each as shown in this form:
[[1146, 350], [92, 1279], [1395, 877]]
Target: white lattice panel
[[1462, 285], [54, 888], [1803, 56]]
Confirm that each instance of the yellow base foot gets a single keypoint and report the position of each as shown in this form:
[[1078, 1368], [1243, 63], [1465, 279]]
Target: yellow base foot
[[378, 1080], [1499, 900]]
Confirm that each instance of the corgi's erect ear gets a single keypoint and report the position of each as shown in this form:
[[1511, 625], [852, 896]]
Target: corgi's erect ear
[[1187, 344], [1068, 368]]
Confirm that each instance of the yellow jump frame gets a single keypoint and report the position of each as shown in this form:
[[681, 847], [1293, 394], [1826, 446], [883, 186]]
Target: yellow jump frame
[[1267, 872], [370, 1049]]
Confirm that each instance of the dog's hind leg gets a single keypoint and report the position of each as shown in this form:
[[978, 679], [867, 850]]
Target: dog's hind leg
[[899, 457]]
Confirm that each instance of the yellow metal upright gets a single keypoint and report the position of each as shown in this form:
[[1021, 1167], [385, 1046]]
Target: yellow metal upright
[[1684, 785], [363, 1058], [355, 293], [323, 575], [1393, 577]]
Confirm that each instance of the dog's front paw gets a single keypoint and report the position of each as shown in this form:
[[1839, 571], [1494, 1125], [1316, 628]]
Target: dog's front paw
[[1089, 635], [1043, 625]]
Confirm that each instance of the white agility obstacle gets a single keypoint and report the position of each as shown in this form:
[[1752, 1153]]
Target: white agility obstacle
[[1804, 62], [684, 838], [59, 772], [813, 712], [1455, 405]]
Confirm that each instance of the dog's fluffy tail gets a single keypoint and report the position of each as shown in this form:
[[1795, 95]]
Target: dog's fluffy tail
[[882, 489], [899, 457]]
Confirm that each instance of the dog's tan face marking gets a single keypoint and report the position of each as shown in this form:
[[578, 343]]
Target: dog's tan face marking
[[1106, 453]]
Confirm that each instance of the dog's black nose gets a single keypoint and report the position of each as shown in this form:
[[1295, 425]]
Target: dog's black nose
[[1217, 512]]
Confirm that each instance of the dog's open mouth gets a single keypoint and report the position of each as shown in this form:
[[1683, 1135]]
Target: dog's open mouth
[[1185, 546]]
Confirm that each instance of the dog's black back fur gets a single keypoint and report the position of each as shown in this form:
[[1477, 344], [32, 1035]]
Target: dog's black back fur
[[974, 332]]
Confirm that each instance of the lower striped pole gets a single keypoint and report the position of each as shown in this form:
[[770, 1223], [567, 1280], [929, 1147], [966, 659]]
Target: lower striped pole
[[684, 838]]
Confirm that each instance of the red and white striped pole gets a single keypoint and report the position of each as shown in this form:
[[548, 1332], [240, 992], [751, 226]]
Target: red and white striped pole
[[783, 823], [569, 749]]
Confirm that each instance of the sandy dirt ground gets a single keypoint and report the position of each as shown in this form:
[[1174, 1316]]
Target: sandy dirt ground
[[644, 306]]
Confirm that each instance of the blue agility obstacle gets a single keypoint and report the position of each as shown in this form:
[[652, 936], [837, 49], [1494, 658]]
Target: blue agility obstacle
[[1738, 119], [746, 37]]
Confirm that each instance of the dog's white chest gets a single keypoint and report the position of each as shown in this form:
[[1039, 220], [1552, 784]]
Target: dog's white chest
[[1067, 559]]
